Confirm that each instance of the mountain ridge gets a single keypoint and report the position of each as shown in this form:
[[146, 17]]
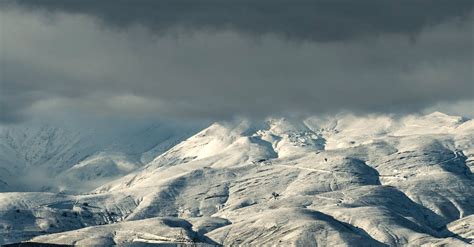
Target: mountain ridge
[[286, 181]]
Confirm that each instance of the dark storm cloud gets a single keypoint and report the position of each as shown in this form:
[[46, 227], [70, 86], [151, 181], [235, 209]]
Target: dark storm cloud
[[224, 58], [321, 20]]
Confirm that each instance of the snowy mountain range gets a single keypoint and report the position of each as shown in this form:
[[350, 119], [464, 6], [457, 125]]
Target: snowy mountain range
[[338, 181]]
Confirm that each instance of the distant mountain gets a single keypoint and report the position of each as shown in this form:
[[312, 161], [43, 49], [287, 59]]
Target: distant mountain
[[342, 180], [42, 156]]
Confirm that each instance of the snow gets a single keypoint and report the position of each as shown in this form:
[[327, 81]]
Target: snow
[[342, 180], [42, 156]]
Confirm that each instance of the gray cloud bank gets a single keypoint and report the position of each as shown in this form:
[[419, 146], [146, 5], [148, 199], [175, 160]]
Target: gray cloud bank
[[320, 20], [217, 59]]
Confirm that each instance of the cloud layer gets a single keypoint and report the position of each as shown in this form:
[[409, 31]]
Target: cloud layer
[[319, 20], [219, 59]]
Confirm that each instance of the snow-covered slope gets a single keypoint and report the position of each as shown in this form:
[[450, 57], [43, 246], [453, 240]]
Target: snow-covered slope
[[42, 156], [343, 180]]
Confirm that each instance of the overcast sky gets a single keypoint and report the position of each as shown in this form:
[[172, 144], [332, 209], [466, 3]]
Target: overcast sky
[[223, 58]]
